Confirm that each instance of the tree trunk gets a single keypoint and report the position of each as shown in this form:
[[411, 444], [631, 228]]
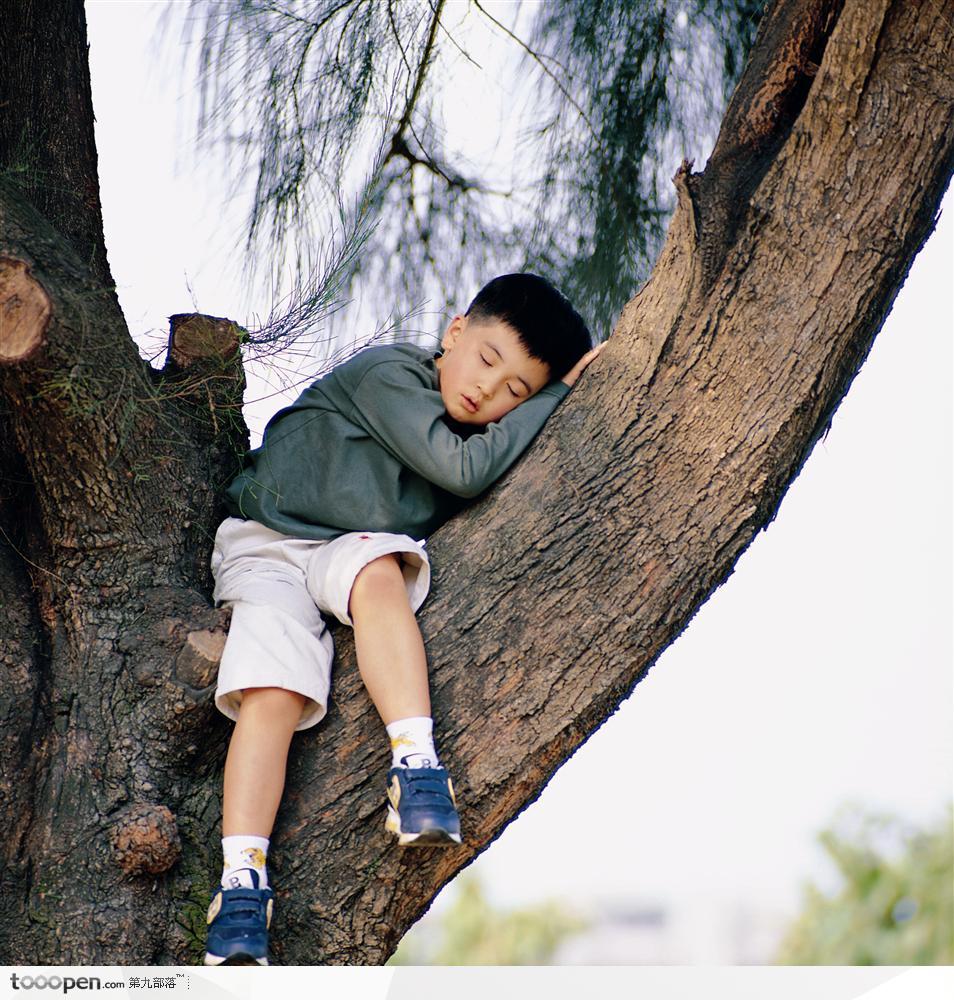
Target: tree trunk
[[553, 595], [46, 121]]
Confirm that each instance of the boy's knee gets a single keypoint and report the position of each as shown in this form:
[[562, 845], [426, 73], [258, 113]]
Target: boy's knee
[[271, 702], [378, 578]]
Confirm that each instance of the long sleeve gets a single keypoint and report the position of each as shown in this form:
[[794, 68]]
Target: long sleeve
[[367, 448], [405, 416]]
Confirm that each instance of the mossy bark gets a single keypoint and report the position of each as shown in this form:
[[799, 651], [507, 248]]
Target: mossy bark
[[552, 596]]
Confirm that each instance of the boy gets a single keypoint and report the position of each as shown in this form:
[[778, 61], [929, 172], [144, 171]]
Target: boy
[[330, 513]]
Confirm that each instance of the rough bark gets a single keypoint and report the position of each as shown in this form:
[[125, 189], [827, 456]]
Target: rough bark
[[46, 120], [552, 597]]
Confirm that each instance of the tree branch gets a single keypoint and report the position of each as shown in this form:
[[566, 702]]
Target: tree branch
[[768, 99], [77, 391], [707, 430], [422, 68], [538, 59]]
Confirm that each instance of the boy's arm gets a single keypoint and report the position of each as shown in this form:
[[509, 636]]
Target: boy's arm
[[405, 416]]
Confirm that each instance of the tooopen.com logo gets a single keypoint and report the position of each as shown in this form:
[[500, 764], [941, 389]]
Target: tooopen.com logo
[[60, 983]]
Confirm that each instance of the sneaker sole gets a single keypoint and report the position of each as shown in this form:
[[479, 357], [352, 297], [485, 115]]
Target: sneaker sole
[[436, 837], [240, 958]]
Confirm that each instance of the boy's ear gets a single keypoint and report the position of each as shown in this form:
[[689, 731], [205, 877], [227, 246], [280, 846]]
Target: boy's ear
[[454, 329]]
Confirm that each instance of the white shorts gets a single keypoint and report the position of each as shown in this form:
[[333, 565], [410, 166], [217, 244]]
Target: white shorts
[[276, 586]]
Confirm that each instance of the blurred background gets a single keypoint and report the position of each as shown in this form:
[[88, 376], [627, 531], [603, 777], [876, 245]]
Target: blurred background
[[778, 789]]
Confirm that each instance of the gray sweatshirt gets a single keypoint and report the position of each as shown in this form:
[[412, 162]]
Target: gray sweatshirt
[[369, 447]]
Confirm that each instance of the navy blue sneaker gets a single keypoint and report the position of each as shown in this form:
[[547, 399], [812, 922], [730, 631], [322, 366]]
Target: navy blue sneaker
[[238, 922], [422, 810]]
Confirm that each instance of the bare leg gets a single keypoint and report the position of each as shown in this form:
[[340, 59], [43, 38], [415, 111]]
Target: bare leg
[[258, 753], [388, 642], [394, 669]]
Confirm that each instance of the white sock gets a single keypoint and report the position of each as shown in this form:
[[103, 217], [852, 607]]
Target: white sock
[[243, 862], [412, 742]]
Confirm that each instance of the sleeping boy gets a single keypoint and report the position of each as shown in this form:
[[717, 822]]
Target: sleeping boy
[[330, 515]]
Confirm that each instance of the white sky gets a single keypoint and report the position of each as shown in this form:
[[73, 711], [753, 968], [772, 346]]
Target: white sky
[[820, 673]]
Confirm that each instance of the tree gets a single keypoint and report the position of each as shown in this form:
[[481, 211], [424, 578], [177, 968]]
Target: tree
[[782, 259], [894, 905]]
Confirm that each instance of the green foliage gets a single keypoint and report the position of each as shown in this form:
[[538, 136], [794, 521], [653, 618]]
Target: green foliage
[[473, 932], [605, 98], [896, 902], [648, 85]]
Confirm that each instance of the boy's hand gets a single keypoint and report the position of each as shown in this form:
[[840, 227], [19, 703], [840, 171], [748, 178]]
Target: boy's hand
[[577, 370]]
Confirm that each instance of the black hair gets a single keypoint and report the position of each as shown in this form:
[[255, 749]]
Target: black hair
[[550, 329]]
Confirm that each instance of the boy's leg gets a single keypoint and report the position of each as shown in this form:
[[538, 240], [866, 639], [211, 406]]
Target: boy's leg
[[393, 666], [240, 913], [256, 761], [273, 680], [391, 657]]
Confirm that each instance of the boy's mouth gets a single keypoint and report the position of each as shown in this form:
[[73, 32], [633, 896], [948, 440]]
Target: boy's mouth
[[469, 404]]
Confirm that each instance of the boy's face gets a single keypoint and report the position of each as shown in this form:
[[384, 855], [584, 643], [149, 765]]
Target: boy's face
[[485, 371]]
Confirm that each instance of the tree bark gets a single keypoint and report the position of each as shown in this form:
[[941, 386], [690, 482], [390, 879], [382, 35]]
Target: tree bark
[[46, 121], [553, 595]]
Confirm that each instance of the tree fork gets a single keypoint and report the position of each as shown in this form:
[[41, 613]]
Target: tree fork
[[70, 375], [652, 479], [76, 388], [639, 497]]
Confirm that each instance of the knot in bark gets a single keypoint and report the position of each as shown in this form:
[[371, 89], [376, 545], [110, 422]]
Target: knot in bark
[[146, 840], [24, 311], [198, 660], [194, 336]]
